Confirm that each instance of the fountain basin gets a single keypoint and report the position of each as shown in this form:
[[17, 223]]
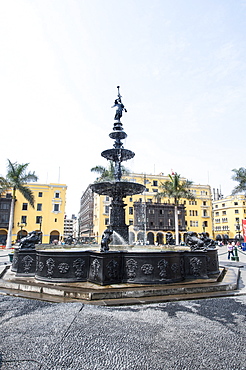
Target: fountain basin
[[114, 267], [122, 188]]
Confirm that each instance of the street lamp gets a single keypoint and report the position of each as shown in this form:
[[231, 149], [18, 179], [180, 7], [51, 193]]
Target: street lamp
[[204, 226], [21, 225], [40, 222], [238, 230]]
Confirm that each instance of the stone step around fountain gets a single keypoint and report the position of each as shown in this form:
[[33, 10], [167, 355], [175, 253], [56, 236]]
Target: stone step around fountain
[[225, 283]]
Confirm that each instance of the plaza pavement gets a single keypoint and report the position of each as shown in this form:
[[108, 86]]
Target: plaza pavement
[[183, 335]]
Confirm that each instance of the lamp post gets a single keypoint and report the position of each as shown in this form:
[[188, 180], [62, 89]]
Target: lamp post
[[236, 258], [204, 227], [40, 226], [21, 225], [40, 222]]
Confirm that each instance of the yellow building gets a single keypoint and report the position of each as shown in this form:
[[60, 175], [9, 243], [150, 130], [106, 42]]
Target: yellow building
[[47, 216], [228, 214], [197, 213]]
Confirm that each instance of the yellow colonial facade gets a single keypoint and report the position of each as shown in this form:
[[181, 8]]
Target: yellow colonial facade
[[198, 212], [228, 214], [47, 216]]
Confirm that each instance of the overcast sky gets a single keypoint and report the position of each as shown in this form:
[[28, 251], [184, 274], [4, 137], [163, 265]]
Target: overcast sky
[[181, 66]]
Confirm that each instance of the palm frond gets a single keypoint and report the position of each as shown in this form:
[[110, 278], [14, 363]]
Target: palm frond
[[4, 185], [239, 176], [27, 194]]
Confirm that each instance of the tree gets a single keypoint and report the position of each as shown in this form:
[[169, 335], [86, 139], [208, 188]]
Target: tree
[[176, 189], [107, 173], [239, 176], [16, 179]]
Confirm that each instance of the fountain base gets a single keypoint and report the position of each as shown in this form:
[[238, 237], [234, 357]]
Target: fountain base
[[114, 267]]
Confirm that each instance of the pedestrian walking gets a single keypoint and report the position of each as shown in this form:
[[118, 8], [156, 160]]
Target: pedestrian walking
[[230, 249]]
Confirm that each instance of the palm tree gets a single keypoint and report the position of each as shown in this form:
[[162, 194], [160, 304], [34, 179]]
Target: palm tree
[[107, 173], [176, 189], [239, 176], [16, 179]]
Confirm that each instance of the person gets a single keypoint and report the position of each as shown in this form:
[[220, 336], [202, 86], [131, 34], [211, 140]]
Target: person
[[230, 250]]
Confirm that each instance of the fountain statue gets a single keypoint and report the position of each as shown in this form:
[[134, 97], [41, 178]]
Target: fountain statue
[[118, 189]]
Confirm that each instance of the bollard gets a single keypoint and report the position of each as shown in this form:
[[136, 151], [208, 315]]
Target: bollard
[[236, 258]]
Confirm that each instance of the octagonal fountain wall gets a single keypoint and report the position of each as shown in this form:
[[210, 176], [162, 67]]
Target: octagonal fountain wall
[[137, 267]]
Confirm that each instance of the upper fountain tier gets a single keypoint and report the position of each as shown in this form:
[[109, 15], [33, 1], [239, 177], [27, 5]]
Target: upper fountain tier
[[117, 155]]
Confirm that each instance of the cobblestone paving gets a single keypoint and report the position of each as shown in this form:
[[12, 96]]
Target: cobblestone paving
[[201, 334]]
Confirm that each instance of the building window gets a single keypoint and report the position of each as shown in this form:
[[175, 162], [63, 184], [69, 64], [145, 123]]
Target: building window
[[204, 203], [38, 219], [205, 214], [155, 183], [216, 206], [223, 204], [107, 199], [106, 222], [4, 206], [40, 194], [217, 213], [39, 207], [235, 203], [130, 222], [223, 212], [56, 207], [192, 202], [155, 190], [57, 195], [130, 199], [55, 219], [161, 211], [236, 211], [130, 210], [23, 219], [107, 210], [24, 206]]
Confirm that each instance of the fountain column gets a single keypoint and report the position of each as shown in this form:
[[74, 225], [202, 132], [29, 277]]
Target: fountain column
[[118, 189]]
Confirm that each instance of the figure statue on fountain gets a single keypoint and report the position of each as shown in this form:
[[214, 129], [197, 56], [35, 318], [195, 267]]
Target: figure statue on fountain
[[29, 241], [106, 239], [119, 105]]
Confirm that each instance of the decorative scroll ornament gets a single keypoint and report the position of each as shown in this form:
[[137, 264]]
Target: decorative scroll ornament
[[195, 266], [112, 268], [131, 266], [95, 265], [27, 262], [78, 265], [50, 263], [40, 266], [162, 265], [174, 267]]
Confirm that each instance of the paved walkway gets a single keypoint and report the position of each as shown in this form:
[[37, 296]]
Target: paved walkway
[[184, 335]]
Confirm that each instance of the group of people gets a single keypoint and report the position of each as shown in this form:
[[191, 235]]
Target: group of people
[[230, 249]]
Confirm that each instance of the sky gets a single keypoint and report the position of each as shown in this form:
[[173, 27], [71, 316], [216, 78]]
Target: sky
[[181, 68]]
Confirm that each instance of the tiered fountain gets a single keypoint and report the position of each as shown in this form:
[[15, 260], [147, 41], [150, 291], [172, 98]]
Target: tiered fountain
[[118, 189], [110, 267]]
